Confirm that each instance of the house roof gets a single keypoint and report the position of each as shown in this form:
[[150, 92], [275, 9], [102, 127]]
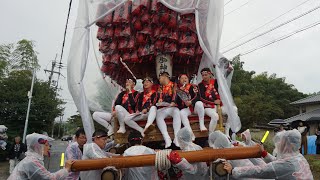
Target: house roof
[[304, 116], [308, 100], [277, 122]]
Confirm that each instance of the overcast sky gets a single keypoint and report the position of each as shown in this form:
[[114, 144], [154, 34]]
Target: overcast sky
[[296, 58]]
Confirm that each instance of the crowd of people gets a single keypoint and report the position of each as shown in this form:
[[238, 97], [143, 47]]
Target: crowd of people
[[288, 163]]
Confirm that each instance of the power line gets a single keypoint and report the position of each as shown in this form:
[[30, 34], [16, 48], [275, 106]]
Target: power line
[[65, 30], [237, 8], [63, 43], [282, 38], [272, 29], [266, 24], [227, 3]]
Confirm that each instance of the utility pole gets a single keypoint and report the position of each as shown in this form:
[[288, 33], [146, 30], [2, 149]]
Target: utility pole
[[29, 104], [53, 65], [61, 117], [52, 72]]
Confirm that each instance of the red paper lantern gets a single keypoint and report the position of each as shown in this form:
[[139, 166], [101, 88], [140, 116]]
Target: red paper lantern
[[145, 51], [139, 6], [169, 47], [186, 51], [106, 20], [188, 38], [122, 31], [137, 25], [145, 19], [108, 47], [115, 58], [141, 38], [105, 33], [122, 14]]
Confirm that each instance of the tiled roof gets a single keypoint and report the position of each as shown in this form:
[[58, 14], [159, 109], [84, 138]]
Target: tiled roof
[[309, 99], [277, 122], [304, 116]]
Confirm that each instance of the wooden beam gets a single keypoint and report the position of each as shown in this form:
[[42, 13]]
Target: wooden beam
[[206, 155]]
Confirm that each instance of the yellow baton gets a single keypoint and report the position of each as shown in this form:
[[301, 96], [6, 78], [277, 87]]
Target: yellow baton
[[62, 160], [265, 137]]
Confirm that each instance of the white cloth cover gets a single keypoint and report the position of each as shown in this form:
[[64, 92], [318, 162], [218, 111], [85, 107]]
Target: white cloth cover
[[141, 173], [84, 48], [290, 164], [190, 171], [32, 166], [92, 151]]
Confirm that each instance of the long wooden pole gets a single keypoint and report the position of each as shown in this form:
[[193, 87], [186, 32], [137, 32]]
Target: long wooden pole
[[206, 155]]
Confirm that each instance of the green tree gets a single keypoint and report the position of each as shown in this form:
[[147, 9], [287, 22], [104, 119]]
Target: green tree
[[20, 56], [16, 64], [45, 106], [24, 56], [5, 55], [262, 98]]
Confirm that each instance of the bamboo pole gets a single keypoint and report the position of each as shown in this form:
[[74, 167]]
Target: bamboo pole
[[206, 155], [220, 124]]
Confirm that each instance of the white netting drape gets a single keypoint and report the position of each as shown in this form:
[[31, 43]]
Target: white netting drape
[[84, 50]]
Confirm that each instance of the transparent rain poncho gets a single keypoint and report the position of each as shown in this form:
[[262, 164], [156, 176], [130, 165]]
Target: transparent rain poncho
[[190, 171], [93, 151], [218, 140], [141, 173], [249, 142], [290, 164], [85, 56], [32, 166], [248, 139]]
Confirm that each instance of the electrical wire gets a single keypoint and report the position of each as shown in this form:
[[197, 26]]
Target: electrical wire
[[272, 29], [63, 43], [237, 8], [65, 31], [266, 23], [281, 38], [227, 3]]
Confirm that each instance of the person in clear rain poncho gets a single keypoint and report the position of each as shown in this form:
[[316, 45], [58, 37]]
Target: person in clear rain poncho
[[95, 150], [289, 163], [141, 173], [193, 171], [32, 166], [247, 139], [218, 140]]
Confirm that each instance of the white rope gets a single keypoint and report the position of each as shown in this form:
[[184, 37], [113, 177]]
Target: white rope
[[162, 163]]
